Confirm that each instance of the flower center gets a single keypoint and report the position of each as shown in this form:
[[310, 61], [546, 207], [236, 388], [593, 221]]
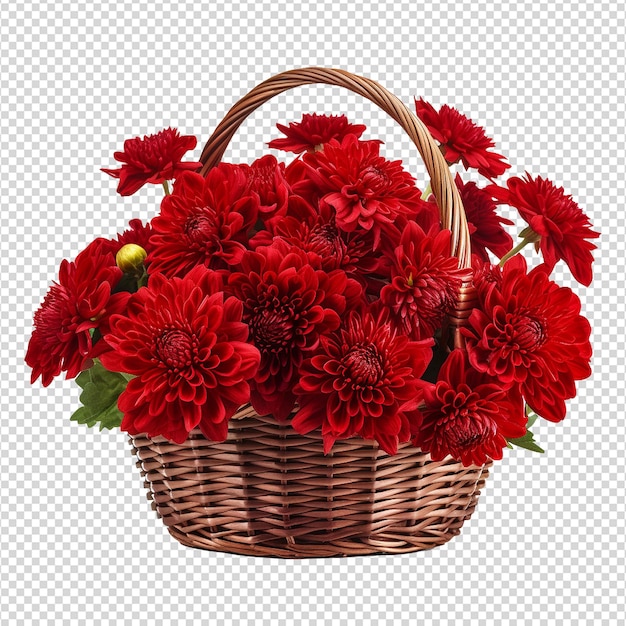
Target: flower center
[[325, 241], [467, 432], [363, 366], [262, 178], [464, 423], [528, 333], [200, 228], [272, 329], [176, 349], [375, 178]]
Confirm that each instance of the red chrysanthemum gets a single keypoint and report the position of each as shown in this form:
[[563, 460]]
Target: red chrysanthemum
[[560, 224], [486, 276], [529, 332], [485, 225], [363, 380], [365, 190], [287, 305], [428, 216], [153, 159], [467, 414], [461, 139], [185, 345], [329, 248], [266, 177], [313, 132], [79, 304], [205, 221], [138, 233], [425, 281]]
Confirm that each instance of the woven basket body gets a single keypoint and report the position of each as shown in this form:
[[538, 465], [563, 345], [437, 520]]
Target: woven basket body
[[269, 491]]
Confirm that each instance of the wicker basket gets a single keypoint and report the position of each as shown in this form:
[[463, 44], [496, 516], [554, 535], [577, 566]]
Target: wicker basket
[[269, 491]]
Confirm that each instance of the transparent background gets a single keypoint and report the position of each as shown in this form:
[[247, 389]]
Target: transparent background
[[78, 541]]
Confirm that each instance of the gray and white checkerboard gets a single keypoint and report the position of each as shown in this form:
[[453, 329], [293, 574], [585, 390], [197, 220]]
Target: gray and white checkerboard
[[78, 542]]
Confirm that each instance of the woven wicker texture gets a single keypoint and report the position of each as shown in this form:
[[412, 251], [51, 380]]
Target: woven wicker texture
[[269, 491]]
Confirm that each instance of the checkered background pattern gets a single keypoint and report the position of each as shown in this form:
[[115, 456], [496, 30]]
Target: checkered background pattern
[[78, 541]]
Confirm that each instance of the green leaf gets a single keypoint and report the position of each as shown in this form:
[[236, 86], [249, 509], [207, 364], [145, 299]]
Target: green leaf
[[532, 417], [101, 389], [528, 440]]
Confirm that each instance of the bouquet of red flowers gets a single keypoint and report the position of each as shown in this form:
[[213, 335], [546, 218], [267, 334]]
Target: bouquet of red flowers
[[316, 288], [312, 355]]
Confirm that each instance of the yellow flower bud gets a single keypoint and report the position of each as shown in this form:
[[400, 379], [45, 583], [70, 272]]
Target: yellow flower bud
[[130, 258]]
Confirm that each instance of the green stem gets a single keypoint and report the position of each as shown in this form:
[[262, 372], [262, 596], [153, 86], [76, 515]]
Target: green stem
[[142, 281], [427, 192], [166, 188], [515, 250]]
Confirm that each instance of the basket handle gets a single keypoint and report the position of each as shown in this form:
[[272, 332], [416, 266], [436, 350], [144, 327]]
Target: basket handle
[[442, 184]]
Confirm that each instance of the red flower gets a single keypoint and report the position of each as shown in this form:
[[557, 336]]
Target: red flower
[[461, 139], [287, 305], [428, 216], [80, 303], [186, 346], [425, 281], [468, 415], [561, 226], [205, 221], [328, 247], [529, 333], [266, 177], [153, 159], [313, 132], [485, 225], [365, 190], [486, 276], [362, 380], [138, 233]]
